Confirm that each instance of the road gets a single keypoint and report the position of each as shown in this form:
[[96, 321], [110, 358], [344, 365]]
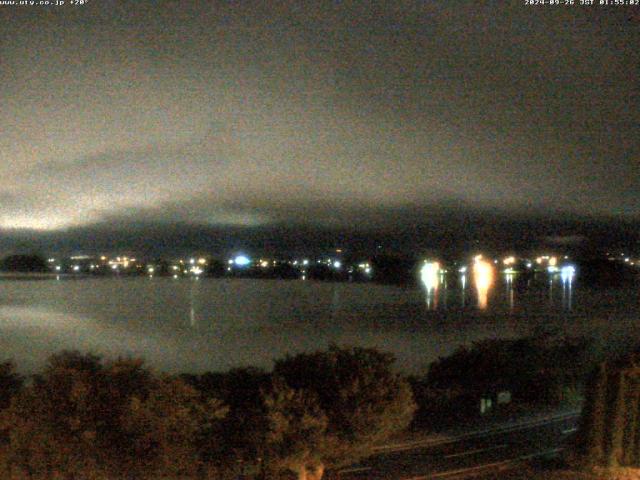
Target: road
[[467, 455]]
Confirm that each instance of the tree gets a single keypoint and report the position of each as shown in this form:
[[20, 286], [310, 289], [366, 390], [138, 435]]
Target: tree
[[236, 443], [330, 408], [82, 418], [24, 264], [10, 383], [167, 427]]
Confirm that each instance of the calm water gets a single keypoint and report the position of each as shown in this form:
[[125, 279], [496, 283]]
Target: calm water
[[212, 324]]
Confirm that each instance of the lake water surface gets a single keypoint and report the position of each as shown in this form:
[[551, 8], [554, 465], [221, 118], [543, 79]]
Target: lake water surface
[[212, 324]]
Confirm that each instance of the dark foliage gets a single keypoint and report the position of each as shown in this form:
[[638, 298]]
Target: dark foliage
[[24, 264], [536, 370], [610, 427]]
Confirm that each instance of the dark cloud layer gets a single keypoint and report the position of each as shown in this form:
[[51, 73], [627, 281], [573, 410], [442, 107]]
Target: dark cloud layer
[[342, 117]]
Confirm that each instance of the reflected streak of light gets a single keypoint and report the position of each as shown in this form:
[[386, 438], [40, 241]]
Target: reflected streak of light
[[483, 278], [429, 274], [510, 295], [566, 275]]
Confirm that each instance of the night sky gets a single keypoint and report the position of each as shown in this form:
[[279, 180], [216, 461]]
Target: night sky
[[267, 121]]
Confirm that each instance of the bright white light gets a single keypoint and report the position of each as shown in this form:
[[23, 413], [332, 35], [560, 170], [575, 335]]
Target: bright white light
[[264, 264], [202, 261], [58, 268], [367, 270], [337, 264], [305, 262], [567, 272], [192, 261], [529, 265], [242, 260], [230, 262], [151, 269], [462, 270], [429, 275], [196, 271], [76, 268], [552, 269]]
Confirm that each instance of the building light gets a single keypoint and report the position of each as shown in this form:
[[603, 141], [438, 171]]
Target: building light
[[242, 260], [509, 260]]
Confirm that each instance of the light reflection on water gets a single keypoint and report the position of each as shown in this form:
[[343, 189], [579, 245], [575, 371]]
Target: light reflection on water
[[483, 279], [513, 286], [186, 325]]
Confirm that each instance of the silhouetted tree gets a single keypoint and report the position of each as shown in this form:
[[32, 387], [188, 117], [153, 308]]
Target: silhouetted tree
[[240, 437], [83, 418], [10, 383], [328, 409], [24, 264], [534, 369], [215, 268]]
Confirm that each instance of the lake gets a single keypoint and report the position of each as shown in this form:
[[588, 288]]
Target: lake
[[195, 325]]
